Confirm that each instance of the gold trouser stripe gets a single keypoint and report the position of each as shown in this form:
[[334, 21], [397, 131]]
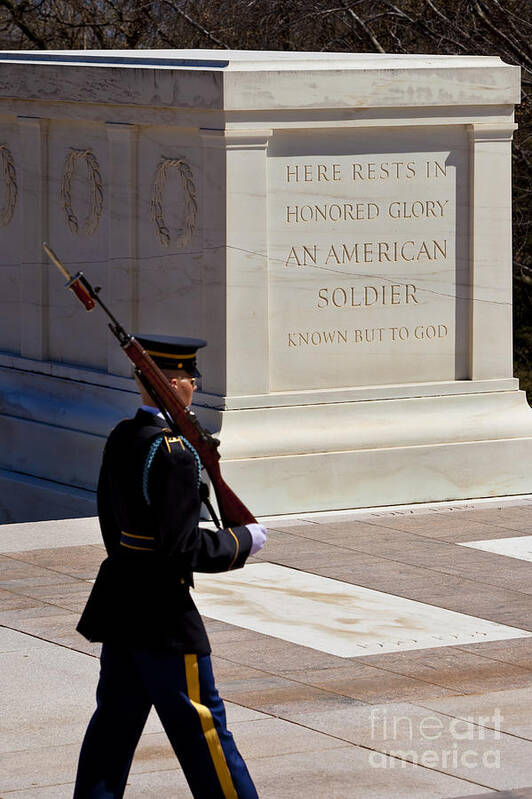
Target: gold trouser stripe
[[209, 730], [236, 550]]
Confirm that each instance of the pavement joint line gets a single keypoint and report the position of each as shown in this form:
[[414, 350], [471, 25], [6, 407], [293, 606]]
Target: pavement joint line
[[342, 745], [338, 546], [359, 745], [49, 785], [380, 556], [387, 527], [518, 547], [148, 770], [43, 602], [444, 540], [394, 756], [388, 671], [47, 641], [10, 555], [145, 735], [430, 538], [339, 693], [396, 530], [371, 666], [306, 726], [284, 676], [345, 743], [472, 721], [411, 509], [496, 660], [90, 654], [69, 610], [504, 527], [404, 596]]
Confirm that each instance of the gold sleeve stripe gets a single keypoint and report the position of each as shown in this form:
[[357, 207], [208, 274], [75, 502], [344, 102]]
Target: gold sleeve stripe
[[145, 537], [209, 730], [236, 550], [130, 546]]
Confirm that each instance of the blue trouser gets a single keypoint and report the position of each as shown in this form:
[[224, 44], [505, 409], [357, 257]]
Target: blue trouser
[[181, 688]]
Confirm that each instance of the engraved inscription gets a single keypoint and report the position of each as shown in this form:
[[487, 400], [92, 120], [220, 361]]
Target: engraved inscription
[[354, 212], [368, 252], [363, 259], [367, 335], [364, 296], [368, 170]]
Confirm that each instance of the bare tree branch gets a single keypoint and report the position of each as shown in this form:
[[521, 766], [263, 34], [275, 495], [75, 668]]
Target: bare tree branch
[[508, 14], [17, 14], [367, 30], [498, 32], [208, 35]]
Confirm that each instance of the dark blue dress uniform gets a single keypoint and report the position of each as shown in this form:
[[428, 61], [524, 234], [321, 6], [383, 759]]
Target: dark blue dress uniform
[[155, 648]]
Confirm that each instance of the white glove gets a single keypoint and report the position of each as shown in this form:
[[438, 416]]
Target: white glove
[[258, 535]]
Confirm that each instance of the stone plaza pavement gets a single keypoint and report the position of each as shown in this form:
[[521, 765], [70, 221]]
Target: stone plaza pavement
[[414, 723]]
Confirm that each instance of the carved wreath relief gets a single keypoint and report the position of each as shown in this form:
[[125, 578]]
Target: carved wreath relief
[[87, 158], [96, 191], [9, 176], [190, 211]]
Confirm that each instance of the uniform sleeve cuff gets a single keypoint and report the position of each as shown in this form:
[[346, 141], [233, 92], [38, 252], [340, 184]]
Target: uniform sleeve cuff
[[243, 540]]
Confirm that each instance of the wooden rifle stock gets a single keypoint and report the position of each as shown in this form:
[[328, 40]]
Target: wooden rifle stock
[[232, 510]]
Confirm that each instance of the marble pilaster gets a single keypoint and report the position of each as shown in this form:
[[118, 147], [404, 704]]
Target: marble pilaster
[[491, 250], [34, 263], [122, 289]]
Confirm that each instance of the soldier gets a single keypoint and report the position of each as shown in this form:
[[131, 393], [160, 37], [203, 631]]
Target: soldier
[[155, 649]]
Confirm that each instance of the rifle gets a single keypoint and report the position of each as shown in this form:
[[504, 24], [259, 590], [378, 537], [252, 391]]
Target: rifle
[[178, 417]]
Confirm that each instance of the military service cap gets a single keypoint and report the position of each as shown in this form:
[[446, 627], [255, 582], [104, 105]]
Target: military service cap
[[173, 352]]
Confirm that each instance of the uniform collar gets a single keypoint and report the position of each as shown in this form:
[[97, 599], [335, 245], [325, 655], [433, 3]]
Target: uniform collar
[[148, 417], [152, 410]]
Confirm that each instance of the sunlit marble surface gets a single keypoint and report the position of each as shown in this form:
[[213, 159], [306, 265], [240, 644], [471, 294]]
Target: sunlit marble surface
[[519, 546], [335, 617]]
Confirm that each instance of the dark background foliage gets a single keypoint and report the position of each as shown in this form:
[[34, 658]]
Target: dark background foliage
[[453, 27]]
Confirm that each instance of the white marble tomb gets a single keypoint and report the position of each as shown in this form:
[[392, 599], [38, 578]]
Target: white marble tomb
[[337, 226]]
